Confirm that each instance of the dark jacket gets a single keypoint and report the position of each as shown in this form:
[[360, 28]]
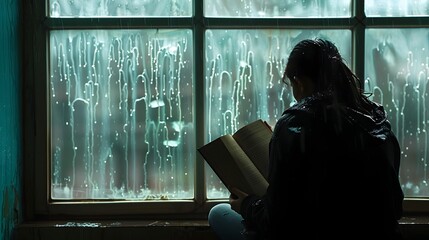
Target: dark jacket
[[333, 174]]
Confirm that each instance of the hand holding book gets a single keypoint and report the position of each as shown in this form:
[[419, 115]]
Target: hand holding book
[[236, 198]]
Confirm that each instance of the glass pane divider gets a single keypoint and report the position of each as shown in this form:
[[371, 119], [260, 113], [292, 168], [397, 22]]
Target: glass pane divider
[[121, 23], [395, 22], [198, 35], [325, 23]]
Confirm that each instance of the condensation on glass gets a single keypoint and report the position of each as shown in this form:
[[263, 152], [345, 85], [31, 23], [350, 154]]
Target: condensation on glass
[[243, 79], [120, 8], [397, 73], [277, 8], [401, 8], [121, 112]]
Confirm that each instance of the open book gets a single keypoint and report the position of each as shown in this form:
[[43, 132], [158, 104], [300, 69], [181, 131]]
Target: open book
[[240, 160]]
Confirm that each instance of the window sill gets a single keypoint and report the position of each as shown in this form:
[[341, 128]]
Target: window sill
[[106, 230], [413, 227]]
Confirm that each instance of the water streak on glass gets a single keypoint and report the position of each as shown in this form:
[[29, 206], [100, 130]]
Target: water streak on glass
[[401, 8], [120, 8], [277, 8], [243, 79], [121, 114], [397, 73]]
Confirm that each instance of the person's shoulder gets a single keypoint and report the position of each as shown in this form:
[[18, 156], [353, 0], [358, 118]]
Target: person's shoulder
[[293, 114], [297, 116], [304, 109]]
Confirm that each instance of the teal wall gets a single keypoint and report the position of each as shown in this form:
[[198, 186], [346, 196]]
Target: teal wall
[[10, 118]]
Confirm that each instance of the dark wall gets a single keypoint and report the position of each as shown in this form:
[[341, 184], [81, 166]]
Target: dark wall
[[10, 121]]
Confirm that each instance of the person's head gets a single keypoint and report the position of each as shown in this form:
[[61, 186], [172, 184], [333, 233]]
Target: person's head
[[316, 66]]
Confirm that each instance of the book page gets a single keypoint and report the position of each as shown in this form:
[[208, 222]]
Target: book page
[[254, 139], [233, 166]]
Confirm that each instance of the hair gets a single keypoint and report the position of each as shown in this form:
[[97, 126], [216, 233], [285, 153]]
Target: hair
[[320, 61]]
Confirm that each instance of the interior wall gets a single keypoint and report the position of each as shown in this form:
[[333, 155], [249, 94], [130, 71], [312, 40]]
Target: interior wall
[[10, 137]]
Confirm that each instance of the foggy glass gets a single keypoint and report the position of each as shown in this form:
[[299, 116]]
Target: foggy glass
[[243, 78], [277, 8], [397, 73], [401, 8], [121, 112], [120, 8]]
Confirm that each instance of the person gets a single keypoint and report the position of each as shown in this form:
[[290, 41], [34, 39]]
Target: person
[[334, 161]]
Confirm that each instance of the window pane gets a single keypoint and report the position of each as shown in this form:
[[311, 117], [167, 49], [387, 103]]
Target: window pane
[[121, 114], [397, 72], [243, 72], [389, 8], [277, 8], [120, 8]]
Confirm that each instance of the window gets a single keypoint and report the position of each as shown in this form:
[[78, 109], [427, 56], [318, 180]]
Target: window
[[121, 105], [123, 92]]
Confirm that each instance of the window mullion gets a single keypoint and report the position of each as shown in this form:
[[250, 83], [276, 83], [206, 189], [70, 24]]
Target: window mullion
[[358, 39], [198, 33]]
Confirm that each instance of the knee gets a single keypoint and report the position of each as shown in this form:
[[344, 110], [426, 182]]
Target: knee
[[218, 211]]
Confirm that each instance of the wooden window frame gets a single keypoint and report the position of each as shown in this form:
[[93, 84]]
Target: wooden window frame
[[35, 102]]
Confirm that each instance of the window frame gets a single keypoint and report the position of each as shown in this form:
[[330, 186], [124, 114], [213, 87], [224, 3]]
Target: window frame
[[36, 106]]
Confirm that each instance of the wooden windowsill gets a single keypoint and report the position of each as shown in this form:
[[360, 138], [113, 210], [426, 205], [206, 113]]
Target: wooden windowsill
[[414, 227], [113, 230]]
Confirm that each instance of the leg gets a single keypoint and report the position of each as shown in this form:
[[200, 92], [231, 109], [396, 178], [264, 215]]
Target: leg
[[225, 222]]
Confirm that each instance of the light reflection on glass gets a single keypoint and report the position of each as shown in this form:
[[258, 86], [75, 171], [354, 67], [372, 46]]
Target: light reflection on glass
[[389, 8], [277, 8], [120, 8], [397, 72], [122, 114]]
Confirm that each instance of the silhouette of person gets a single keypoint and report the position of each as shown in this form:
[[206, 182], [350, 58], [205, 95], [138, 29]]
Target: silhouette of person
[[334, 161]]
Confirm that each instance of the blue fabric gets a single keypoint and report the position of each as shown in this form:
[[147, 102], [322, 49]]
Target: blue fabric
[[226, 223]]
